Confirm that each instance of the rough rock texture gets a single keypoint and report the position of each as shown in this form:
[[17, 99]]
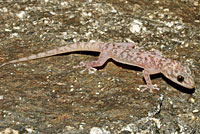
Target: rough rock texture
[[50, 96]]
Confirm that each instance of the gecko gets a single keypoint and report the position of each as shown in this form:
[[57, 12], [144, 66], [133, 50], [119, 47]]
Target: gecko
[[126, 53]]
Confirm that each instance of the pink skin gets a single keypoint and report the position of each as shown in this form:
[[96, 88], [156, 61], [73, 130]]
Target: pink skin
[[127, 53]]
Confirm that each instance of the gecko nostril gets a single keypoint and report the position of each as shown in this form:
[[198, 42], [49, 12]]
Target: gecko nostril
[[180, 78]]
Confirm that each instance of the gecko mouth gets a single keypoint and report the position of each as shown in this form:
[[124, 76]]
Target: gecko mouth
[[189, 84]]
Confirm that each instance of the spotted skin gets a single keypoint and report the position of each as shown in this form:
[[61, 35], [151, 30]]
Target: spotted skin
[[127, 53]]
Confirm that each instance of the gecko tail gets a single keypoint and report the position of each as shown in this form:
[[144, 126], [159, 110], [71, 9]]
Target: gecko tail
[[10, 62], [70, 48], [20, 60], [3, 64]]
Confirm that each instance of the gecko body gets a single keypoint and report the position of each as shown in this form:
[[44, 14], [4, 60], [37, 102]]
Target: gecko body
[[127, 53]]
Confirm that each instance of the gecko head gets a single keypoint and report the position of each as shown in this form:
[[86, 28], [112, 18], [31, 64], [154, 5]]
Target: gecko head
[[179, 74]]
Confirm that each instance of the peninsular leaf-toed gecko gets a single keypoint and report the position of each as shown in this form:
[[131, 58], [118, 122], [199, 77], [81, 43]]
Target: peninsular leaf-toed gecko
[[127, 53]]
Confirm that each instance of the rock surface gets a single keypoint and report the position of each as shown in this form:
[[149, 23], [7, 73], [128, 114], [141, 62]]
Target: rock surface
[[50, 96]]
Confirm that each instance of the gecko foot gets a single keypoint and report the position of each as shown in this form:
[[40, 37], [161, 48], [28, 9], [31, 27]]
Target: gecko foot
[[90, 69], [82, 64], [151, 87]]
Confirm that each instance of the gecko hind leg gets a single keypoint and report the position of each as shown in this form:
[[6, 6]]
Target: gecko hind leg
[[103, 57]]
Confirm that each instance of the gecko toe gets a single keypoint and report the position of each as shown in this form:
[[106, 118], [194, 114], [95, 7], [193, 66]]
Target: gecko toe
[[155, 87], [92, 70], [81, 64], [142, 88]]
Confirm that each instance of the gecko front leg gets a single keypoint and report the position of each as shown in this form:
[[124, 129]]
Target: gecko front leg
[[146, 74], [103, 57]]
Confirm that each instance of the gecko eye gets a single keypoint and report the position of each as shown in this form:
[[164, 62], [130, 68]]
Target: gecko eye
[[180, 78]]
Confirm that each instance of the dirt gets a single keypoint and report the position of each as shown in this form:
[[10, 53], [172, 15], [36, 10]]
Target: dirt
[[50, 96]]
